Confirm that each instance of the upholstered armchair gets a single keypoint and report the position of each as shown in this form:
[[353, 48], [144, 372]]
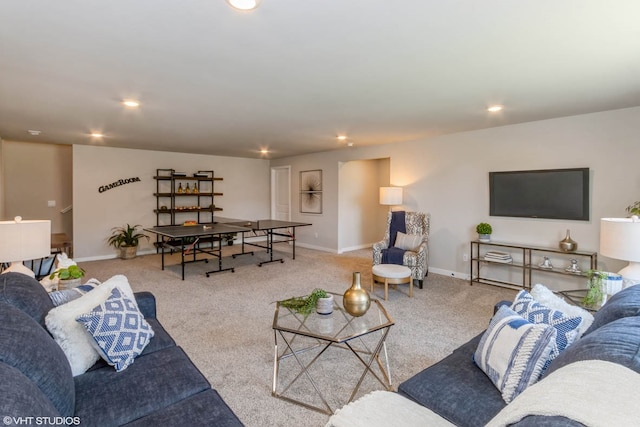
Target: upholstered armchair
[[414, 243]]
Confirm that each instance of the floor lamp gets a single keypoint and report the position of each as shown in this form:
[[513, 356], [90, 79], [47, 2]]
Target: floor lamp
[[24, 240], [620, 239], [391, 196]]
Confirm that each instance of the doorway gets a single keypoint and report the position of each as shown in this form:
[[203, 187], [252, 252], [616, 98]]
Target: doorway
[[281, 193]]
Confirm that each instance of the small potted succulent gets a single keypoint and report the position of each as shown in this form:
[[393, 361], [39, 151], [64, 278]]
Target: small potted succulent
[[318, 300], [484, 231], [126, 239], [68, 277]]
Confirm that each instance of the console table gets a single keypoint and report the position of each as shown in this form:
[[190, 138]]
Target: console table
[[526, 262]]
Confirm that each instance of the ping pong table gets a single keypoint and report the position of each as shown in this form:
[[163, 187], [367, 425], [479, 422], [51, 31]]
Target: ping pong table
[[186, 238]]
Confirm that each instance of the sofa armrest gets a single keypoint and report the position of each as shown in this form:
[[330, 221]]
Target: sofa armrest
[[146, 303]]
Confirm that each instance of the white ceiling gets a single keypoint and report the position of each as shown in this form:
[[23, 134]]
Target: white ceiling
[[293, 74]]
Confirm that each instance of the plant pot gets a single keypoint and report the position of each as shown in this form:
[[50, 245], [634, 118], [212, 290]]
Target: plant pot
[[128, 252], [68, 283], [484, 237], [229, 242], [325, 305]]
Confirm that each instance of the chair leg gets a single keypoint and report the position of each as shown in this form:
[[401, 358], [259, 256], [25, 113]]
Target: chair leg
[[419, 283]]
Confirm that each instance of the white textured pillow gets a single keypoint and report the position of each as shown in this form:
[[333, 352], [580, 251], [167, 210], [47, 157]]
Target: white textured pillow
[[70, 335], [546, 297], [408, 242]]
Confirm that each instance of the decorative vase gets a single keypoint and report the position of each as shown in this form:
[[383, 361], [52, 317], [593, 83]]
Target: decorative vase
[[568, 244], [356, 301], [325, 305], [484, 237]]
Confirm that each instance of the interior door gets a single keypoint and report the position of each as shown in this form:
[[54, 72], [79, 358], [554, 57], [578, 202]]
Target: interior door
[[281, 193]]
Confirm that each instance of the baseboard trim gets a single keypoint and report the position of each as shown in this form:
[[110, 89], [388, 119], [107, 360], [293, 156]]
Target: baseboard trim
[[449, 273]]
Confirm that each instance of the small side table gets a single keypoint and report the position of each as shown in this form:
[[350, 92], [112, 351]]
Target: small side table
[[391, 274]]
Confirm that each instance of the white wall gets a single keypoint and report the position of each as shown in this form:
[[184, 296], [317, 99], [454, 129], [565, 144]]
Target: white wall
[[448, 177], [245, 187]]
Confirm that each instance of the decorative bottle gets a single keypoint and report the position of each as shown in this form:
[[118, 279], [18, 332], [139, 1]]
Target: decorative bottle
[[180, 190], [356, 301], [188, 190], [568, 244], [195, 188]]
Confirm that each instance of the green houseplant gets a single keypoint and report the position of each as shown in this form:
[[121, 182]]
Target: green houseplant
[[634, 209], [484, 231], [126, 239], [68, 277], [594, 293], [304, 305]]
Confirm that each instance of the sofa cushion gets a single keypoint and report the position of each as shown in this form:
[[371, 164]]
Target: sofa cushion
[[118, 329], [25, 293], [203, 409], [566, 326], [456, 389], [105, 397], [20, 396], [513, 352], [26, 346], [66, 295], [625, 303], [617, 342]]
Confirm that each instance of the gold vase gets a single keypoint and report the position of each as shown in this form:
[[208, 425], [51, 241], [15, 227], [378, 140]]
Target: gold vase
[[568, 244], [356, 301]]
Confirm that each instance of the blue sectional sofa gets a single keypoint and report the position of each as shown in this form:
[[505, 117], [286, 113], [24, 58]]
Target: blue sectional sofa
[[162, 388], [457, 390]]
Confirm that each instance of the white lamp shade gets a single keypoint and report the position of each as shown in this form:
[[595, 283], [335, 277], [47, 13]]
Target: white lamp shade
[[390, 195], [620, 238], [24, 240]]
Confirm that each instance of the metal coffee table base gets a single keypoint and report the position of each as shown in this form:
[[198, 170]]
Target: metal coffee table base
[[373, 355]]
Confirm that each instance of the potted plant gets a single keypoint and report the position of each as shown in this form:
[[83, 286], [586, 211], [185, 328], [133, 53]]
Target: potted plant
[[229, 238], [484, 231], [316, 300], [126, 239], [68, 277], [634, 209], [594, 294]]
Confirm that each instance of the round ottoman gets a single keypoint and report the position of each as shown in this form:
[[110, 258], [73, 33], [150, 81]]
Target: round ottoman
[[391, 274]]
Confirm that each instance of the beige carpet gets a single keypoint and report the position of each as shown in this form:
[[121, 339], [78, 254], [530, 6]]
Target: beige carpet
[[224, 323]]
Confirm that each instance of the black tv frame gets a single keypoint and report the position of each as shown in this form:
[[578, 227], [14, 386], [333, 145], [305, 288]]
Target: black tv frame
[[551, 178]]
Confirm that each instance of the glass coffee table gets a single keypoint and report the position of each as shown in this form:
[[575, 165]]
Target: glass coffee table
[[302, 342]]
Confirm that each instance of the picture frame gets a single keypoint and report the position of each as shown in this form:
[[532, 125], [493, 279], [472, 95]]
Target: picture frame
[[311, 191]]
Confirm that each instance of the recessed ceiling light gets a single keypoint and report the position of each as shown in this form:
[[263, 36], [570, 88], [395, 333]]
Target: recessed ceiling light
[[97, 135], [34, 132], [342, 137], [131, 103], [244, 4], [264, 151], [495, 108]]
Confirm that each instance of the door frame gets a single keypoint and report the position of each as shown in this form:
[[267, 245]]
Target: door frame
[[274, 188]]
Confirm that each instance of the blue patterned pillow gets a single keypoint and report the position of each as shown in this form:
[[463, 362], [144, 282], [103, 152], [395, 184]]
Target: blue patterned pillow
[[119, 330], [66, 295], [566, 326], [513, 351]]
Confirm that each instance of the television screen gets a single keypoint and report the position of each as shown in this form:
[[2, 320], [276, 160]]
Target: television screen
[[552, 193]]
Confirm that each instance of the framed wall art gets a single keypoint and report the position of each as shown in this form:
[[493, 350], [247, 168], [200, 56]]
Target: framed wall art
[[311, 191]]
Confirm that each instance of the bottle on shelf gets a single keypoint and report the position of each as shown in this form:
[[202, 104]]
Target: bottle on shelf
[[188, 190], [195, 188], [180, 190]]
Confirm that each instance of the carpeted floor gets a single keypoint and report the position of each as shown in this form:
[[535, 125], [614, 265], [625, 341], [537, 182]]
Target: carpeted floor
[[224, 323]]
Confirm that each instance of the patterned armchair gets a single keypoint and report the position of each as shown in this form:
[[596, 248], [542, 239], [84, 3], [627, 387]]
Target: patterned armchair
[[416, 224]]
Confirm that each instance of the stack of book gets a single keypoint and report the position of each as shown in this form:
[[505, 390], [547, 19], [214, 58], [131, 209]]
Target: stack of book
[[497, 256]]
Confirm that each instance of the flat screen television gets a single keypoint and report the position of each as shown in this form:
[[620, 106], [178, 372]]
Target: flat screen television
[[549, 193]]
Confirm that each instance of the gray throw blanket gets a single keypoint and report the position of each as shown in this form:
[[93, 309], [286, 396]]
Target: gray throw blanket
[[393, 255]]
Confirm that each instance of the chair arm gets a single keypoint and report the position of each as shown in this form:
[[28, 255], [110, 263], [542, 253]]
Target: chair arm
[[146, 303]]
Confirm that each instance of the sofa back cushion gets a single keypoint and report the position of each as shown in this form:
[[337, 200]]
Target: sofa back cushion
[[617, 342], [28, 348], [20, 397], [625, 303], [25, 293]]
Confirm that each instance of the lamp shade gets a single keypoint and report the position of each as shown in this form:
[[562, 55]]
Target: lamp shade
[[390, 195], [620, 238], [24, 240]]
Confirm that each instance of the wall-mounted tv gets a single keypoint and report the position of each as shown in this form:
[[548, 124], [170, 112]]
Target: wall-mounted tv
[[550, 193]]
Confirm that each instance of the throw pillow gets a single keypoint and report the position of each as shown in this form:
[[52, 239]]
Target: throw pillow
[[566, 326], [118, 329], [408, 242], [513, 351], [72, 336], [545, 296], [66, 295]]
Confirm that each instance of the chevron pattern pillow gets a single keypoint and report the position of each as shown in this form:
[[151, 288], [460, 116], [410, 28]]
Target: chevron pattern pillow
[[118, 329], [566, 326], [513, 351]]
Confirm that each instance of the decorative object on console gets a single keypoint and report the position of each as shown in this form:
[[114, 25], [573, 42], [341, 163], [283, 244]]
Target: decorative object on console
[[390, 196], [24, 240], [126, 239], [356, 300], [484, 231], [620, 239], [568, 244], [573, 268], [546, 263]]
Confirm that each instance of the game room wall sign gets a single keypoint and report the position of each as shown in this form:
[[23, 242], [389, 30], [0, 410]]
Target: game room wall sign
[[118, 183]]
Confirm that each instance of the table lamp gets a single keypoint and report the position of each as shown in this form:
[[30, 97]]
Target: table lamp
[[24, 240], [620, 239], [391, 196]]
